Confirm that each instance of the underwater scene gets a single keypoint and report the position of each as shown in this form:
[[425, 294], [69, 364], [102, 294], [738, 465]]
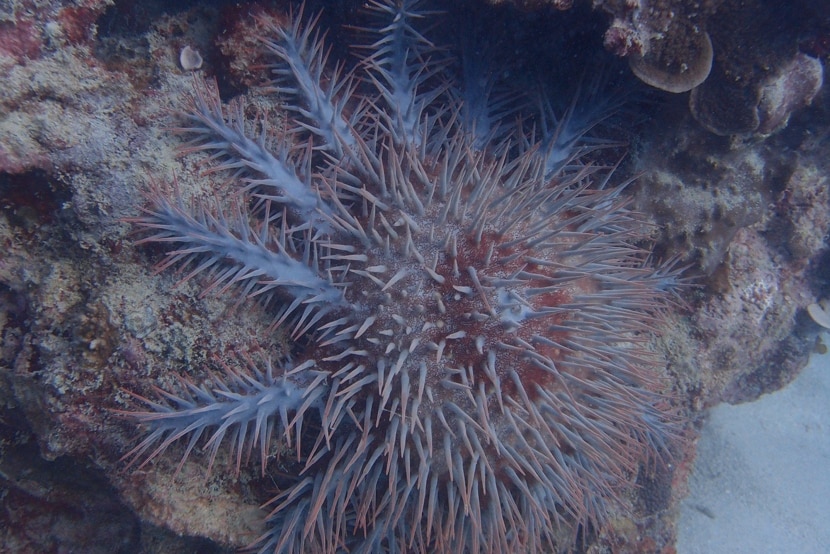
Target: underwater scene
[[337, 276]]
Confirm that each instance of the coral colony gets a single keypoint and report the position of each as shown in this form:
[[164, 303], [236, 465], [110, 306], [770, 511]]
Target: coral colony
[[470, 307]]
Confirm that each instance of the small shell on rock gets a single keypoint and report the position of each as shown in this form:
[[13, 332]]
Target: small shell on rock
[[819, 315], [190, 59]]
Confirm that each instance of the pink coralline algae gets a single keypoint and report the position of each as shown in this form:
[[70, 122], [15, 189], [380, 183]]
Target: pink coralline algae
[[469, 306], [20, 41]]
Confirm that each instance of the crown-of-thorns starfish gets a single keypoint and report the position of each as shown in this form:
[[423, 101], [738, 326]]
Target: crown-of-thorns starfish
[[474, 306]]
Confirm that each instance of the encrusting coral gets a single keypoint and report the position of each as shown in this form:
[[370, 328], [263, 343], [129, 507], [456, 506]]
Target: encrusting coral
[[760, 75], [749, 64], [470, 306]]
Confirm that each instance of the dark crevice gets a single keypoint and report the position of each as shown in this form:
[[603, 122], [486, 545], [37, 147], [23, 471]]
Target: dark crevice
[[31, 199]]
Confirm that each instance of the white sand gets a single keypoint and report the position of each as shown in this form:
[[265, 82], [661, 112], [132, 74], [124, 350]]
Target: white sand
[[761, 482]]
